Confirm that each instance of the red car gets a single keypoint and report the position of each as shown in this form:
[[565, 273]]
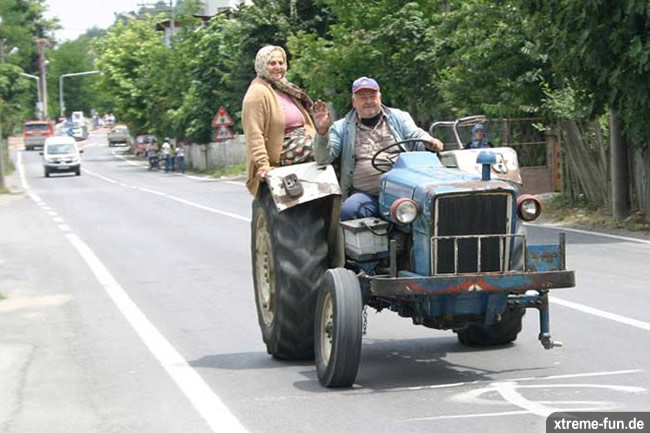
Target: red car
[[142, 143], [35, 132]]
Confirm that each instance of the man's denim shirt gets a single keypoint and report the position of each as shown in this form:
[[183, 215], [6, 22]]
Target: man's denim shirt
[[341, 138]]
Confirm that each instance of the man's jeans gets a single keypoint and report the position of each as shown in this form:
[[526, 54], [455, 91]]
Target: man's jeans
[[180, 163], [168, 162], [360, 205]]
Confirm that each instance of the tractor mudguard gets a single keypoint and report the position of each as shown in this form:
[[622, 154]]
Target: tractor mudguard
[[292, 185]]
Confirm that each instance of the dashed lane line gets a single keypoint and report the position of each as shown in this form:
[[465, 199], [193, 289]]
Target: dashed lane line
[[189, 176], [208, 404], [588, 232], [172, 197], [601, 313]]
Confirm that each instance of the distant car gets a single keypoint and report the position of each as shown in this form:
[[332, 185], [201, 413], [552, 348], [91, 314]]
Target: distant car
[[79, 130], [61, 155], [142, 143], [35, 132], [119, 134]]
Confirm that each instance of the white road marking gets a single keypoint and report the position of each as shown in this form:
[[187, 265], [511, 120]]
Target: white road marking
[[508, 390], [64, 227], [189, 176], [520, 379], [209, 405], [209, 209], [23, 179], [588, 232], [52, 213], [58, 220], [509, 393], [468, 415], [578, 375], [171, 197], [107, 179], [153, 191], [601, 313], [211, 408]]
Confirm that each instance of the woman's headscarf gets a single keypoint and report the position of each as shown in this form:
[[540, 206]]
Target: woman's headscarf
[[262, 69]]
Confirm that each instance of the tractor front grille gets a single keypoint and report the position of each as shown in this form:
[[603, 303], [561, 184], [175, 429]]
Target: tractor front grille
[[464, 229]]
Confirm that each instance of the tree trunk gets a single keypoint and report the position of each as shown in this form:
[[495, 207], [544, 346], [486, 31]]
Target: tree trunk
[[619, 168], [641, 169]]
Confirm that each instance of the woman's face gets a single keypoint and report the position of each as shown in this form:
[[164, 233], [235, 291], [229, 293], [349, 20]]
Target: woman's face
[[277, 67]]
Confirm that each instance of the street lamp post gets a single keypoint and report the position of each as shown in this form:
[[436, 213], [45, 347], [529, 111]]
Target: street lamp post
[[38, 93], [73, 74], [2, 148]]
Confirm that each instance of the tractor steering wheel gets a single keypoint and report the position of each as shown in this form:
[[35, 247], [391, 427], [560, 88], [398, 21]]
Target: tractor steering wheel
[[385, 163]]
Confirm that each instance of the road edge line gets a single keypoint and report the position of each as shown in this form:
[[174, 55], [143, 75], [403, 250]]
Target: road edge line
[[208, 404]]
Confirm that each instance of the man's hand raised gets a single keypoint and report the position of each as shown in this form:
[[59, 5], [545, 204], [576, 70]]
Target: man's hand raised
[[322, 117]]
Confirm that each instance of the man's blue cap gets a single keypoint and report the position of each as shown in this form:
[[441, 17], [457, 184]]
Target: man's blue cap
[[364, 83]]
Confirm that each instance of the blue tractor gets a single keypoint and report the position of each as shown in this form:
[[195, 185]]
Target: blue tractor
[[449, 251]]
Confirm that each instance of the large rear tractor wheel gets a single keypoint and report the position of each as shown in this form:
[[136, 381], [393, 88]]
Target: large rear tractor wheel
[[289, 253], [338, 328], [502, 332]]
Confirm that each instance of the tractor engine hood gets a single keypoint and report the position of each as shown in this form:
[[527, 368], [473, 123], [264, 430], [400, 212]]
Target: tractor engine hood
[[421, 176]]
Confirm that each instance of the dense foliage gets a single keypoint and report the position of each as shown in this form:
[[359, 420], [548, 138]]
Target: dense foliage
[[561, 60], [22, 23]]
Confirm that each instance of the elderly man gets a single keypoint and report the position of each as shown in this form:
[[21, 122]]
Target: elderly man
[[353, 140]]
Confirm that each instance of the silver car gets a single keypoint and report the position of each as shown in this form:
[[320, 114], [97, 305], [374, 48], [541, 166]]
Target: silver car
[[61, 155]]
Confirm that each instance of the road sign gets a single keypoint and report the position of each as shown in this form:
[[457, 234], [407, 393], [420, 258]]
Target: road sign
[[222, 118], [224, 133]]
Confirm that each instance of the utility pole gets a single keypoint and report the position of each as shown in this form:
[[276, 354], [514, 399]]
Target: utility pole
[[173, 16], [42, 43], [2, 147], [618, 163]]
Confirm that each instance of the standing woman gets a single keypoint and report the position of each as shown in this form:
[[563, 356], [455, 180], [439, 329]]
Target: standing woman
[[275, 117]]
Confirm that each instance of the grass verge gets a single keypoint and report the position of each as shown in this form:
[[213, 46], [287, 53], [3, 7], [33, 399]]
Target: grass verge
[[224, 172], [558, 209]]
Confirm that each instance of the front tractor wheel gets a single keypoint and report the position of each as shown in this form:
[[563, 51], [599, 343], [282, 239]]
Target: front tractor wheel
[[338, 328], [289, 253], [502, 332]]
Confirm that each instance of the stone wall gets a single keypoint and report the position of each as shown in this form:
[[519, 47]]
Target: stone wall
[[216, 155]]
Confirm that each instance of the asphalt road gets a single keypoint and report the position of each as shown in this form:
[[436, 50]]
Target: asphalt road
[[129, 308]]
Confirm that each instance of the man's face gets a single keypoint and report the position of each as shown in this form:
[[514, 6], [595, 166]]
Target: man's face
[[479, 134], [367, 102]]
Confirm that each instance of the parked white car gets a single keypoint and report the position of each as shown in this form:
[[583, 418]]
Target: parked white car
[[60, 155]]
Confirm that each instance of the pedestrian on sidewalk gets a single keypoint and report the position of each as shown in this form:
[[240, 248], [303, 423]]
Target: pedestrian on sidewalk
[[166, 153], [180, 158]]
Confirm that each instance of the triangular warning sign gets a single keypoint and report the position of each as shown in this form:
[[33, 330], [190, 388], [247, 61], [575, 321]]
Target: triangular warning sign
[[224, 133], [222, 118]]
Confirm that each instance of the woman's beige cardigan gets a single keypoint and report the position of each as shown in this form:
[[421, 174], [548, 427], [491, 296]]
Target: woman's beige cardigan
[[263, 122]]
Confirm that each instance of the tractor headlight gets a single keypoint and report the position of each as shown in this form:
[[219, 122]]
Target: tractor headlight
[[404, 210], [529, 207]]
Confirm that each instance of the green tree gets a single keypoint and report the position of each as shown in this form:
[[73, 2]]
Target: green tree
[[80, 93], [603, 47], [125, 56], [434, 58]]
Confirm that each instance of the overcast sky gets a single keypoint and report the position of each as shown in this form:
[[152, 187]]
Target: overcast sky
[[77, 16]]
